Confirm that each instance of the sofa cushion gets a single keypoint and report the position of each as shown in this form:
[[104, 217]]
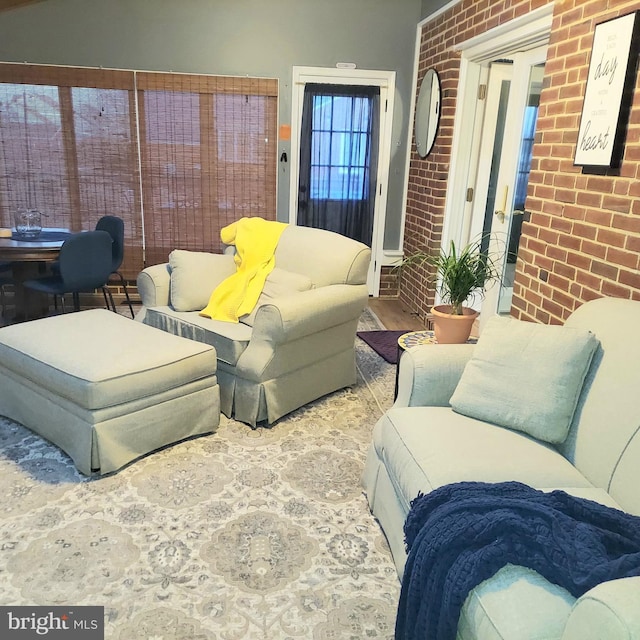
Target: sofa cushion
[[194, 275], [279, 283], [605, 442], [427, 447], [230, 339], [526, 376], [158, 362]]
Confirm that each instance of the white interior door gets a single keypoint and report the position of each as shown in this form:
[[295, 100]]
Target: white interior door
[[510, 114]]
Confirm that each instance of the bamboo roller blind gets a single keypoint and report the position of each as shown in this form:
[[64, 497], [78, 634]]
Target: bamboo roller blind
[[177, 156]]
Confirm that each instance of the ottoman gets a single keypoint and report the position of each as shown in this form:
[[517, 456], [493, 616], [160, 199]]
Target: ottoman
[[104, 388]]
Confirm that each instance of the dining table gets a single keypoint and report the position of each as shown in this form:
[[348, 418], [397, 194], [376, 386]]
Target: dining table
[[29, 257]]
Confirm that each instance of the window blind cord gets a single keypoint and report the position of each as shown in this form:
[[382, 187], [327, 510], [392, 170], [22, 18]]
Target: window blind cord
[[139, 161]]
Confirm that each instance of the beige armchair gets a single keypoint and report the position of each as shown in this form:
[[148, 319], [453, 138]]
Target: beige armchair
[[299, 342]]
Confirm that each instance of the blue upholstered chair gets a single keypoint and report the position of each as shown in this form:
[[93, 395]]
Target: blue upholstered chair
[[84, 265], [114, 226]]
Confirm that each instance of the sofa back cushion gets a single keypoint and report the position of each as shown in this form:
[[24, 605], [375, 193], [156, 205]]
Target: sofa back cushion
[[604, 440], [526, 376], [323, 256]]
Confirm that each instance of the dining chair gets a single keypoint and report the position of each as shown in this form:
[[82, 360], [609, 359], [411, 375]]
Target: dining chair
[[114, 226], [84, 265]]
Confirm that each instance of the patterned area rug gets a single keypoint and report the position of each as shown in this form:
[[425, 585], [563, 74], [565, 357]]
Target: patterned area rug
[[246, 533]]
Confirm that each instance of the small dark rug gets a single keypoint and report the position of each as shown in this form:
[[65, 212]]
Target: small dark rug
[[384, 343]]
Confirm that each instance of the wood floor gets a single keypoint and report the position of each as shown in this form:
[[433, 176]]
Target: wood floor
[[394, 315], [390, 311]]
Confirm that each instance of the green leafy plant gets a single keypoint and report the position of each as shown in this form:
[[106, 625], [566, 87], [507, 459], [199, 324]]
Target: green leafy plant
[[458, 273]]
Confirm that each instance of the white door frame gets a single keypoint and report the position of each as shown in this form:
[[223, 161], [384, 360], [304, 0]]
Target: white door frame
[[386, 81], [521, 34]]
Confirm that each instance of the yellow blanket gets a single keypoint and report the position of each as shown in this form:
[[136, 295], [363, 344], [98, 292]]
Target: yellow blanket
[[255, 240]]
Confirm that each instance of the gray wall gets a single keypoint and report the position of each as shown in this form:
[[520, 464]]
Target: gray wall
[[429, 6], [231, 37]]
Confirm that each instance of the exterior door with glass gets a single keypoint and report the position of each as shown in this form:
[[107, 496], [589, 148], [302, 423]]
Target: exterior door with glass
[[332, 158], [510, 115]]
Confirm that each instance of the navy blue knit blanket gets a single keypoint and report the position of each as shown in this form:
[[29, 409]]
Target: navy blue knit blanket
[[461, 534]]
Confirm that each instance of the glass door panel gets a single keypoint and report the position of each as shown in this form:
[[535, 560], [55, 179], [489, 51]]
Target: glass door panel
[[498, 139], [491, 146], [518, 213]]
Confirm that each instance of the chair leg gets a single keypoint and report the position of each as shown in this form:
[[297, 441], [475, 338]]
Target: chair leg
[[76, 301], [106, 302], [112, 307], [126, 292]]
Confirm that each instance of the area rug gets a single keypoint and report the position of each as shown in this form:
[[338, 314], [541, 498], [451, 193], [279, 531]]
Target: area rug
[[384, 343], [245, 533]]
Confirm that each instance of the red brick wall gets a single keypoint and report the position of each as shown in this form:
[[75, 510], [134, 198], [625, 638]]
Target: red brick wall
[[583, 238], [389, 279]]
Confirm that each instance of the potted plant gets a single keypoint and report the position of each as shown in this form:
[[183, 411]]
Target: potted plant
[[459, 275]]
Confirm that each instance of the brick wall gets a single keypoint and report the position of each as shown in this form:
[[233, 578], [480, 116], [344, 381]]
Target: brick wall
[[583, 237], [389, 280]]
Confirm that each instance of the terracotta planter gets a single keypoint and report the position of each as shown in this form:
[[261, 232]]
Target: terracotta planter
[[450, 329]]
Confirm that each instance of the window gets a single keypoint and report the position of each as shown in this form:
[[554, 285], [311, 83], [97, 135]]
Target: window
[[526, 153], [177, 156], [339, 147]]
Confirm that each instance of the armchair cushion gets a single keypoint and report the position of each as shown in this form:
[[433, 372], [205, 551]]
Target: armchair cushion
[[526, 376], [279, 283], [194, 275]]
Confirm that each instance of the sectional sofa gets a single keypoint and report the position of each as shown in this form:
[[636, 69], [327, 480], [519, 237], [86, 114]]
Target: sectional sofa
[[553, 407]]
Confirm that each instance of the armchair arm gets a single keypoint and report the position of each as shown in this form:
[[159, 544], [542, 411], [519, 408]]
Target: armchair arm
[[307, 312], [609, 610], [429, 374], [153, 285], [299, 329]]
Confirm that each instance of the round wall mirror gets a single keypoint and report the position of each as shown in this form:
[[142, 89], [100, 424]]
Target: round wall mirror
[[427, 113]]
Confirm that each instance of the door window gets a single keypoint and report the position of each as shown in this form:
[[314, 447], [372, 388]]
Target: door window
[[518, 212], [340, 147], [338, 159]]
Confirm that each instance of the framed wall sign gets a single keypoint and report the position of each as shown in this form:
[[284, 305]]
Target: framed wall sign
[[609, 92]]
